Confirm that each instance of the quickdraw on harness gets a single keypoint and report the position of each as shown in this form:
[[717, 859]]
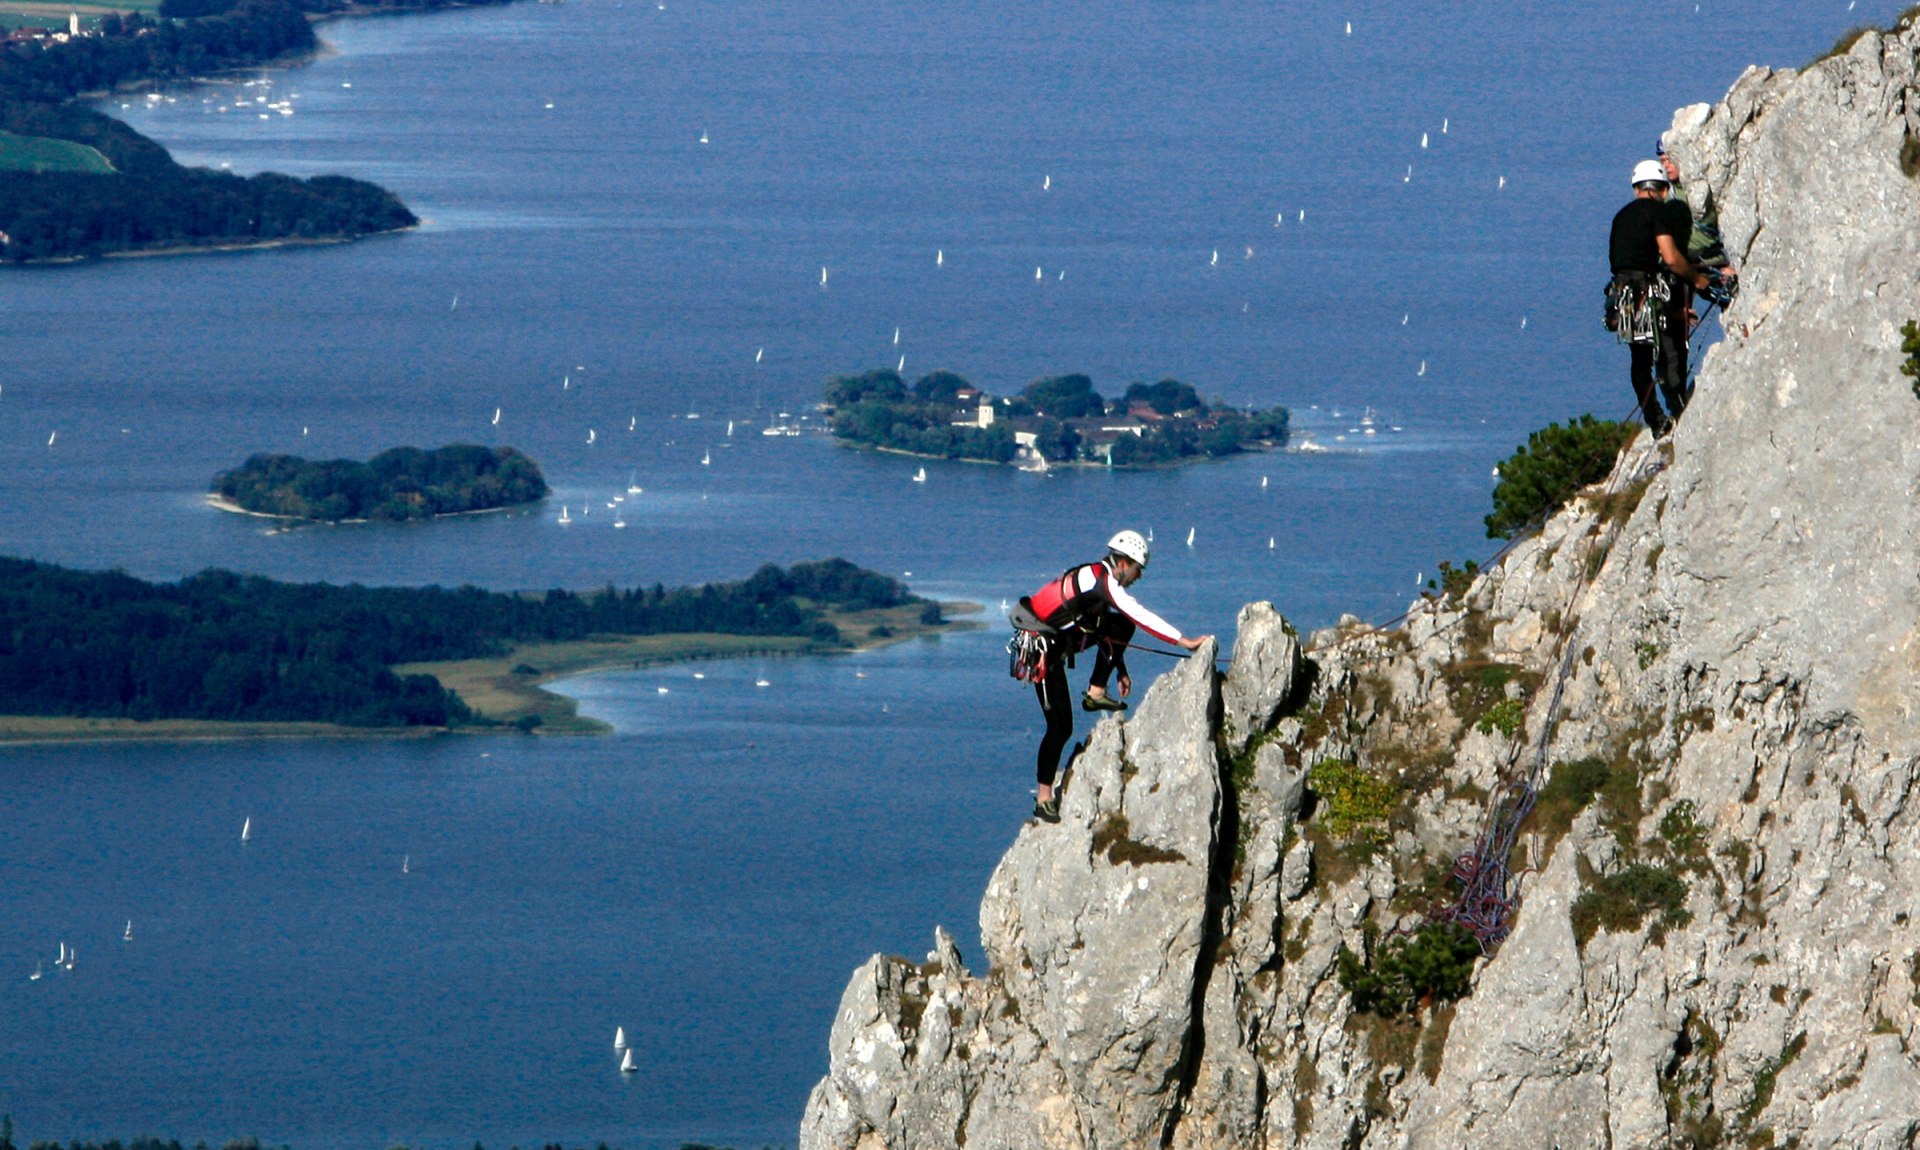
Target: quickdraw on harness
[[1637, 305], [1028, 654]]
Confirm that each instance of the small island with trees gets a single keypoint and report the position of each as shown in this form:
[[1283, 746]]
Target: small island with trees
[[100, 655], [1056, 420], [399, 484]]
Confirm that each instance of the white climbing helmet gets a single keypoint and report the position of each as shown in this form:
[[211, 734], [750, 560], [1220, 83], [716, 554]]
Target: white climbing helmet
[[1131, 545], [1649, 172]]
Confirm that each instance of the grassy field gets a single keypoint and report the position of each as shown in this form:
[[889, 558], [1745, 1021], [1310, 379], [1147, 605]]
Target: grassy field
[[493, 688], [510, 687], [39, 13], [44, 154]]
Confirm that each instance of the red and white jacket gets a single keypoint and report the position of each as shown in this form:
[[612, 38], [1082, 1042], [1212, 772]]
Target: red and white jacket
[[1082, 593]]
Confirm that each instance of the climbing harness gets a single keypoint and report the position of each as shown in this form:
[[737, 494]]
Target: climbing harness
[[1636, 305]]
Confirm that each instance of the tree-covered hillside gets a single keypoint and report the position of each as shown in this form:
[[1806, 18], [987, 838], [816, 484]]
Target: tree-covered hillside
[[147, 201], [223, 646]]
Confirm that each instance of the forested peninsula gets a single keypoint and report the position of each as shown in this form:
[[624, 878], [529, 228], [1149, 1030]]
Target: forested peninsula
[[246, 649], [77, 184], [1059, 419], [397, 484]]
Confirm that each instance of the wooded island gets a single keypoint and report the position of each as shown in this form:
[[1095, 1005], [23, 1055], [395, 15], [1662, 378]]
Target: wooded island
[[401, 483], [1059, 419]]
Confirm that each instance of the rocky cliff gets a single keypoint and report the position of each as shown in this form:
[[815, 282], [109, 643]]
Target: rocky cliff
[[1697, 683]]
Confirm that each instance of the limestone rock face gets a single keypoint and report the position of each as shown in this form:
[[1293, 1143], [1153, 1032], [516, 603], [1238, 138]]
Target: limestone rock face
[[1707, 669], [1266, 661]]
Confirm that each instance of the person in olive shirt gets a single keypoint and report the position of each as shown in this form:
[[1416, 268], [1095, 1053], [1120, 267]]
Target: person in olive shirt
[[1651, 271], [1703, 247]]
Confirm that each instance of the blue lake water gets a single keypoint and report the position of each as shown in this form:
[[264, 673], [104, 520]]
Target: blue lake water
[[708, 876]]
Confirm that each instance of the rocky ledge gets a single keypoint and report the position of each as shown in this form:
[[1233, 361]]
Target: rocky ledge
[[1698, 683]]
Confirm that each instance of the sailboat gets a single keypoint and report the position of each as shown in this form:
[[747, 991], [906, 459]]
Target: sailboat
[[823, 277], [406, 864], [564, 517], [729, 428], [496, 417], [627, 1064], [632, 487], [619, 1038], [62, 960], [246, 829], [1189, 536], [71, 955], [920, 476], [128, 936], [1263, 482], [37, 974], [706, 458]]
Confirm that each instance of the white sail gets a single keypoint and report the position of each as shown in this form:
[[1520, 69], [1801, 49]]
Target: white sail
[[1189, 536], [627, 1064], [619, 1038], [246, 829]]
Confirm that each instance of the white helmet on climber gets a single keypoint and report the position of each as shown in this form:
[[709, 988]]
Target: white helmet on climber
[[1129, 545]]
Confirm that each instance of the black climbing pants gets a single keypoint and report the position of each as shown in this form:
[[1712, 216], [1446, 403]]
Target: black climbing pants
[[1056, 703], [1663, 361], [1110, 634]]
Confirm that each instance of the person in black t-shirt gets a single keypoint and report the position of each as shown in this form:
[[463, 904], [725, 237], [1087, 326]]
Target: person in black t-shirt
[[1651, 271]]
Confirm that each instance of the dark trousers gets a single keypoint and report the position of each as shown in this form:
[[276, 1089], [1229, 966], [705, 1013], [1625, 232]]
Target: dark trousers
[[1664, 361], [1110, 634]]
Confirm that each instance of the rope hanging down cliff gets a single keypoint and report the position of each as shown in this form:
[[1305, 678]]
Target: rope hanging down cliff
[[1487, 897]]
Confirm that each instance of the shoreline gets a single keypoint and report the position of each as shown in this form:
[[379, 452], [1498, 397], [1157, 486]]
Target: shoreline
[[220, 502], [1261, 447], [521, 694]]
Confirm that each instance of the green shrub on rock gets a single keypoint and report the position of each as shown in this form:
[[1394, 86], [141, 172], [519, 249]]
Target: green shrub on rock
[[1432, 964], [1911, 345], [1555, 463]]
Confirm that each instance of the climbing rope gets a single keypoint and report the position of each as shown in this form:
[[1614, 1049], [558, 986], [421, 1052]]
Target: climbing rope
[[1487, 897]]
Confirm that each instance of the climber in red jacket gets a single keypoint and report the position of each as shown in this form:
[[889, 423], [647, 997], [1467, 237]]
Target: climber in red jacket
[[1087, 606]]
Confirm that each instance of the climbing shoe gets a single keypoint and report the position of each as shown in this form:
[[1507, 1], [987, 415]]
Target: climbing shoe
[[1091, 702], [1048, 811]]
